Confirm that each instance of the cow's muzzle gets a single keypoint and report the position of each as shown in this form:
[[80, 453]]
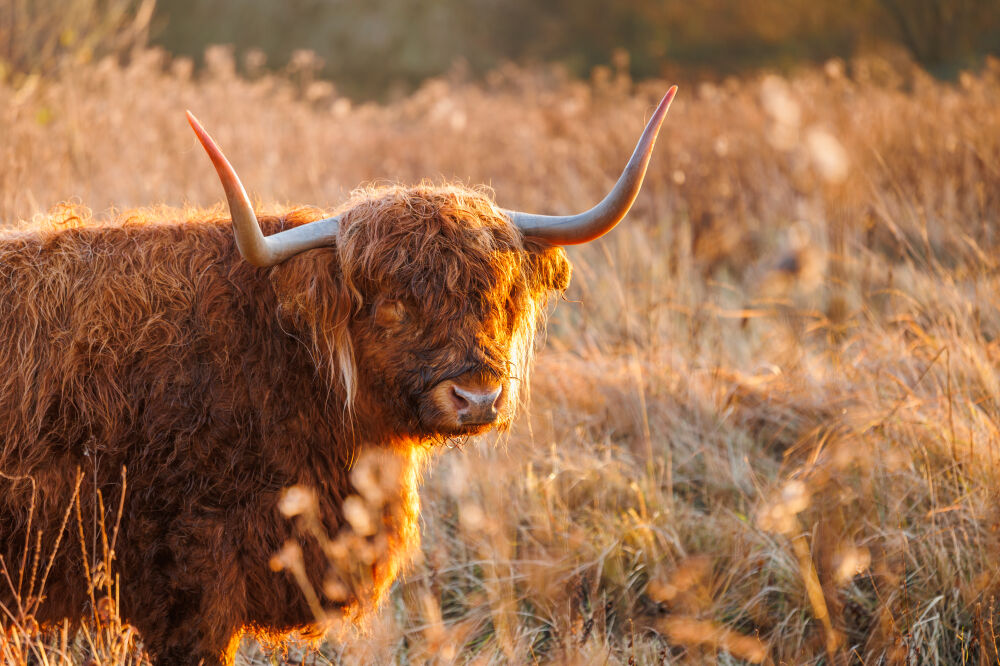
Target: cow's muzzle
[[476, 406], [472, 400]]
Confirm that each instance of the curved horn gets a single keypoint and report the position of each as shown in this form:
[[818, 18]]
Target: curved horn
[[599, 220], [261, 251]]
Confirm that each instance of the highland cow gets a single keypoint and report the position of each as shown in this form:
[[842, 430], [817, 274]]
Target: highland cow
[[223, 361]]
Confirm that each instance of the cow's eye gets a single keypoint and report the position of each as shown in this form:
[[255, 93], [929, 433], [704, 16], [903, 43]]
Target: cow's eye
[[390, 313]]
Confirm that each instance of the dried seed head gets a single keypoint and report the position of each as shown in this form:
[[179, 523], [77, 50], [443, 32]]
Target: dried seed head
[[289, 557], [297, 500], [357, 514]]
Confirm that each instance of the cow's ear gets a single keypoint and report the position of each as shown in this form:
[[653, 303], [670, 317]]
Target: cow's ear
[[550, 267], [315, 304]]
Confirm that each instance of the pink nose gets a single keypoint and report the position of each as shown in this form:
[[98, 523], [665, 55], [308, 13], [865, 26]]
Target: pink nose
[[476, 406]]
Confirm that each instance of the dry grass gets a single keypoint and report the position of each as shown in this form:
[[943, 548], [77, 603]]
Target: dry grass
[[103, 638], [764, 425]]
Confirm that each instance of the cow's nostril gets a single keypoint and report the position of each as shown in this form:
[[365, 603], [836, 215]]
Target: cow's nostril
[[460, 402]]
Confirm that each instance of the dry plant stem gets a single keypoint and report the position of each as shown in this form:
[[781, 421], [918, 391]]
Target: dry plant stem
[[24, 555], [118, 519], [6, 575], [59, 537], [34, 564], [83, 548], [814, 590]]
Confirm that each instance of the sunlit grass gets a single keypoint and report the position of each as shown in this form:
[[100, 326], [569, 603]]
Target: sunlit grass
[[764, 422]]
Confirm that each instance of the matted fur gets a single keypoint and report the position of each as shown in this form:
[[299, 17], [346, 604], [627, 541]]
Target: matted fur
[[146, 342]]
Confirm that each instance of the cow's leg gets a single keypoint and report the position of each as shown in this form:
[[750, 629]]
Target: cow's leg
[[194, 607], [191, 633], [187, 649]]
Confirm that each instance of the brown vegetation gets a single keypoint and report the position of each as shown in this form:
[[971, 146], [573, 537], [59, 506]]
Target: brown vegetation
[[381, 48], [765, 421]]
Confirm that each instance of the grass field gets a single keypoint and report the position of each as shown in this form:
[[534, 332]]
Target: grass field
[[763, 424]]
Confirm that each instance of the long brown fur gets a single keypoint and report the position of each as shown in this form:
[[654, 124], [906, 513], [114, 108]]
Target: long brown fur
[[148, 343]]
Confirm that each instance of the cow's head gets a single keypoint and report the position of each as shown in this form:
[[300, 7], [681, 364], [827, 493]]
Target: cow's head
[[425, 299]]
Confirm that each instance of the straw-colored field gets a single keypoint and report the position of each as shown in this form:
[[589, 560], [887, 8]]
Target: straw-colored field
[[764, 423]]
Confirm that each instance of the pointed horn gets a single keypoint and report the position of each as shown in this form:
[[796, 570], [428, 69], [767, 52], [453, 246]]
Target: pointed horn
[[599, 220], [261, 251]]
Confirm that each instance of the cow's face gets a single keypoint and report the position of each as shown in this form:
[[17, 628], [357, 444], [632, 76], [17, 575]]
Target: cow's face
[[448, 298], [427, 306]]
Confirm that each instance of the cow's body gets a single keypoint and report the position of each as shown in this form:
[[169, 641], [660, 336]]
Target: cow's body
[[149, 344]]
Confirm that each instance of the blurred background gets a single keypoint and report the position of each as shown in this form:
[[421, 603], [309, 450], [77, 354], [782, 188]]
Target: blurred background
[[380, 49], [764, 423]]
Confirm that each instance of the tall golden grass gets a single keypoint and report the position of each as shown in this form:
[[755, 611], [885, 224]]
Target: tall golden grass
[[764, 424]]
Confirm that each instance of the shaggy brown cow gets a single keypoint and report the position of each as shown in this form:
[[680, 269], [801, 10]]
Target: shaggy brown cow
[[221, 371]]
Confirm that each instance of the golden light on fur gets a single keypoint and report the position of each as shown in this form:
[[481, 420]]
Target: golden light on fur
[[147, 342]]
